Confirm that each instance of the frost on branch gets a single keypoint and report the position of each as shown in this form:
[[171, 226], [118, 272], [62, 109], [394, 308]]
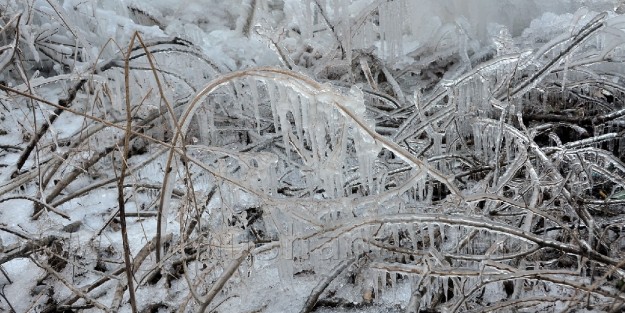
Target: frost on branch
[[432, 162]]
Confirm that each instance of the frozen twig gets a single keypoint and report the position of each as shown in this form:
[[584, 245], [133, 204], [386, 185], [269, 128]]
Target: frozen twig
[[71, 287], [323, 284], [27, 248], [120, 183], [588, 30], [49, 207], [225, 276]]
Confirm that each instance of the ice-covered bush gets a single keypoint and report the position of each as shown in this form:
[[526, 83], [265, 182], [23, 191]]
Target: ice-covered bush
[[299, 155]]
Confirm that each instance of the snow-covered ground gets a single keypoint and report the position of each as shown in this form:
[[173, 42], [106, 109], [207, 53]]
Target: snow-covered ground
[[299, 155]]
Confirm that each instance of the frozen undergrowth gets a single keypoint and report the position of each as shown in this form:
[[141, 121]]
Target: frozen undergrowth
[[335, 155]]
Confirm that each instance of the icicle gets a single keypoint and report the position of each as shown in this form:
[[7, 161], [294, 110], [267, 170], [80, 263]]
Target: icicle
[[391, 24], [412, 232], [441, 228], [395, 234], [342, 153], [345, 30], [297, 105], [431, 235], [422, 234], [308, 118], [317, 134], [282, 107], [268, 164], [363, 167], [358, 246], [237, 106], [378, 276], [342, 245], [203, 126], [445, 287], [285, 270], [422, 187], [429, 293], [429, 191], [212, 134], [271, 88], [255, 101], [307, 22]]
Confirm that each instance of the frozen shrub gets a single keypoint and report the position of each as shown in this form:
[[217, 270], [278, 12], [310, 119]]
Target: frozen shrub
[[334, 155]]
